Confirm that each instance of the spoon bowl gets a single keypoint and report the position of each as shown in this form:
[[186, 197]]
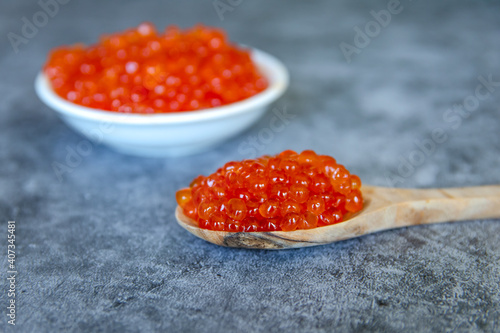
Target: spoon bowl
[[384, 208]]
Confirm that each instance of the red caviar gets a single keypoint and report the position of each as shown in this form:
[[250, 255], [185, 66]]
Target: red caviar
[[143, 71], [285, 192]]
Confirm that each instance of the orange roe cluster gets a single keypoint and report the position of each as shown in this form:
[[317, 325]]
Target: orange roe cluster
[[285, 192], [143, 71]]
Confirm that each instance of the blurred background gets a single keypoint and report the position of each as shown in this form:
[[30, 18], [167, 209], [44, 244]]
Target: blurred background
[[404, 93]]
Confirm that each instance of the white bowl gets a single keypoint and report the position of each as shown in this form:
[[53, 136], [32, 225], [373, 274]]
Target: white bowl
[[170, 134]]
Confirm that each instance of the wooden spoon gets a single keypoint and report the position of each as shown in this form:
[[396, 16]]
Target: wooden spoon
[[384, 208]]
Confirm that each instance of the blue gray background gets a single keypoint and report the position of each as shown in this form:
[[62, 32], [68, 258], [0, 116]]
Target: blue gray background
[[99, 249]]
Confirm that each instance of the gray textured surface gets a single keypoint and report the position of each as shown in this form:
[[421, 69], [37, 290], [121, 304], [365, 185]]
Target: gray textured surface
[[100, 250]]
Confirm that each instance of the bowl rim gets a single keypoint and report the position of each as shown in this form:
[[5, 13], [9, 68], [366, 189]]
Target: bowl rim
[[271, 68]]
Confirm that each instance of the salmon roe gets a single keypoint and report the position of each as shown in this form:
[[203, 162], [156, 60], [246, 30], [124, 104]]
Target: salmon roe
[[143, 71], [285, 192]]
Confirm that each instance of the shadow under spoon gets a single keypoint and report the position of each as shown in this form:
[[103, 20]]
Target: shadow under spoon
[[384, 208]]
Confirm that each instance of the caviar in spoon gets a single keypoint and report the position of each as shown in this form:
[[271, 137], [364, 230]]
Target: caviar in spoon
[[285, 192]]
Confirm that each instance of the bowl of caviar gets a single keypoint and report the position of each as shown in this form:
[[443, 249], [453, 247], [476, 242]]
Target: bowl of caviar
[[150, 93]]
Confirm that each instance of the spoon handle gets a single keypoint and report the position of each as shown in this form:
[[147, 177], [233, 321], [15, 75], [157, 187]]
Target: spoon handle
[[406, 207], [397, 194]]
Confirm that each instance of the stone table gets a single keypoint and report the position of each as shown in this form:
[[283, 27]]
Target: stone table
[[98, 248]]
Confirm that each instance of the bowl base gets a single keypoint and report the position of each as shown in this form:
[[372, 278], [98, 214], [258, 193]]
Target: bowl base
[[159, 152]]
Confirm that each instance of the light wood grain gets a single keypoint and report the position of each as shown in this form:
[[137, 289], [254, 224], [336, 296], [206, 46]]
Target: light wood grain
[[384, 208]]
